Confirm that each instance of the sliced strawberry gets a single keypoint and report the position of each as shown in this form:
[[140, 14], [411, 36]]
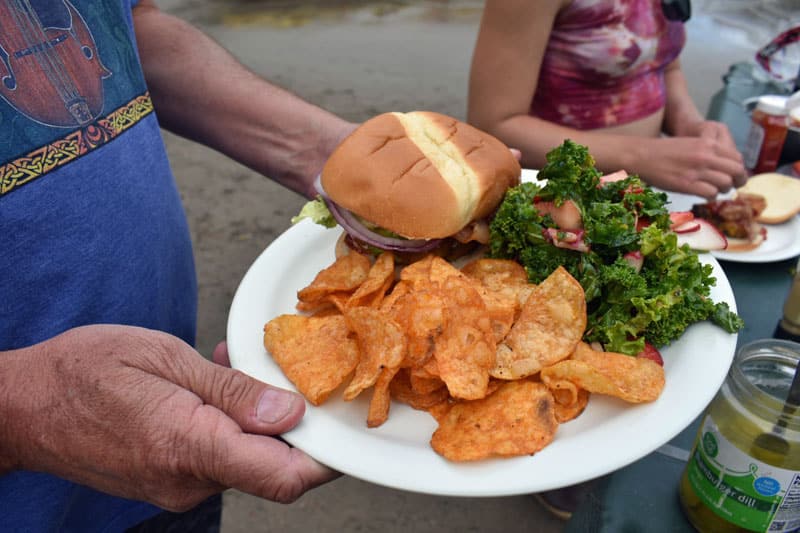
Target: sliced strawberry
[[652, 353]]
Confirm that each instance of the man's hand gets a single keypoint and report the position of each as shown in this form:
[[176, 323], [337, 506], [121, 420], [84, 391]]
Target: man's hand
[[140, 414]]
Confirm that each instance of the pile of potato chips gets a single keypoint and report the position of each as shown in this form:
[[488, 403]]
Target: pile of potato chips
[[496, 360]]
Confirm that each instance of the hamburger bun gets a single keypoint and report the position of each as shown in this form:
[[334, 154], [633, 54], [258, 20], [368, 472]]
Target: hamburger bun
[[745, 245], [782, 195], [421, 175]]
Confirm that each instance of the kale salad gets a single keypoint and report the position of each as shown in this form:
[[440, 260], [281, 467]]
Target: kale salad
[[641, 286]]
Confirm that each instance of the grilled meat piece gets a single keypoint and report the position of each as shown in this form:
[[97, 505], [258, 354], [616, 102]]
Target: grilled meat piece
[[735, 217]]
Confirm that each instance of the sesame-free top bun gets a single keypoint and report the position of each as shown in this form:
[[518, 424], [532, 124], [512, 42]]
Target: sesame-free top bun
[[422, 175], [782, 195]]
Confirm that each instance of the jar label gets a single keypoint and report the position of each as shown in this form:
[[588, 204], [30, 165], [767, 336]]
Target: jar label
[[741, 489], [752, 147]]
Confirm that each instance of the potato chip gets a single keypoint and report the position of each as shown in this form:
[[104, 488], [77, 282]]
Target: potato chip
[[503, 277], [429, 370], [495, 384], [496, 274], [381, 344], [402, 390], [381, 400], [423, 385], [398, 290], [421, 315], [549, 327], [334, 300], [564, 391], [465, 350], [379, 278], [345, 274], [518, 419], [316, 354], [633, 379], [441, 271], [439, 411], [570, 411], [429, 270], [500, 309], [418, 271]]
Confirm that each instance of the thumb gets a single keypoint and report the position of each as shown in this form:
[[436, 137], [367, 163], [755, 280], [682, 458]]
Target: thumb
[[256, 407], [220, 355]]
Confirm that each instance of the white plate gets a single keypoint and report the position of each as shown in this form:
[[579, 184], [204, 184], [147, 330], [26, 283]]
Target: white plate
[[607, 436], [783, 240]]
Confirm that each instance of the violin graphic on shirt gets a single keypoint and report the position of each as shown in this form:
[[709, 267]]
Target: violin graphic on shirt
[[49, 67]]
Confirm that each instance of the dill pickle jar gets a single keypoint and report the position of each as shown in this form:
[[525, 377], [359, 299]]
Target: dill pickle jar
[[744, 471]]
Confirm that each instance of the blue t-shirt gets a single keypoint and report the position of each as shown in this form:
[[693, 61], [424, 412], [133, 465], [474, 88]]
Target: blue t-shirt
[[92, 229]]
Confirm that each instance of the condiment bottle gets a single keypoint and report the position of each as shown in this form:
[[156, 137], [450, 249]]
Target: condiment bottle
[[789, 326], [768, 129], [744, 470]]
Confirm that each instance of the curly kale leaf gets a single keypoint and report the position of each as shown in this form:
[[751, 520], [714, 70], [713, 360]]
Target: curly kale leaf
[[570, 172], [517, 225]]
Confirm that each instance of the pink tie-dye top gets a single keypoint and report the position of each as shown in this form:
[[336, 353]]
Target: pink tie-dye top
[[604, 64]]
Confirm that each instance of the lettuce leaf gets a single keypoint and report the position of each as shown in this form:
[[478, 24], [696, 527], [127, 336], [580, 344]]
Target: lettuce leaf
[[318, 212]]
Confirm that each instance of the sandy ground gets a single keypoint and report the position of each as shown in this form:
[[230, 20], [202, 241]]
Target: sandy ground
[[354, 60]]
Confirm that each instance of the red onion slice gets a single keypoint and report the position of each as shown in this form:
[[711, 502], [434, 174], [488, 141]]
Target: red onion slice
[[357, 230]]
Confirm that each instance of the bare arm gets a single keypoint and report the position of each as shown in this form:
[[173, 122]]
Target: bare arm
[[202, 92], [681, 116], [505, 68]]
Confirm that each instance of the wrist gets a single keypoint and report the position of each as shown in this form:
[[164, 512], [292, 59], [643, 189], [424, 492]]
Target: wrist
[[332, 131], [10, 409], [25, 400]]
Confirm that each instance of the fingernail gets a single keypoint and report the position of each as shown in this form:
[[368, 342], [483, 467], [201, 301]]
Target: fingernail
[[274, 405]]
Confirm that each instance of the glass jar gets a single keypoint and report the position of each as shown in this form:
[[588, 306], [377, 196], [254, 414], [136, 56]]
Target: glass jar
[[744, 471], [768, 129]]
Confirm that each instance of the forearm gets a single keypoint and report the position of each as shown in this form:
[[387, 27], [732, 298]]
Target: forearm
[[535, 137], [202, 92], [681, 116]]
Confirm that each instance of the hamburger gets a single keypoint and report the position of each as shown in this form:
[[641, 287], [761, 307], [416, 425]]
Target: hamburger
[[414, 183]]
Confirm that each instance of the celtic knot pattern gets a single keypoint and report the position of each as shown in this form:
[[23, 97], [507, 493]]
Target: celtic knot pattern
[[33, 165]]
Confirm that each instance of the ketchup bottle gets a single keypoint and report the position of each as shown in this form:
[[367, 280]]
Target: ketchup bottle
[[767, 134]]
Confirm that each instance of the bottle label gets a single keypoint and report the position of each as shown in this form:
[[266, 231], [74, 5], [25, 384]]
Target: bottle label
[[752, 147], [740, 489]]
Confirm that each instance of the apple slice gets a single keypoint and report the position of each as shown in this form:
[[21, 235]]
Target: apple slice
[[677, 218], [635, 259], [704, 238], [566, 216], [619, 175], [687, 227]]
